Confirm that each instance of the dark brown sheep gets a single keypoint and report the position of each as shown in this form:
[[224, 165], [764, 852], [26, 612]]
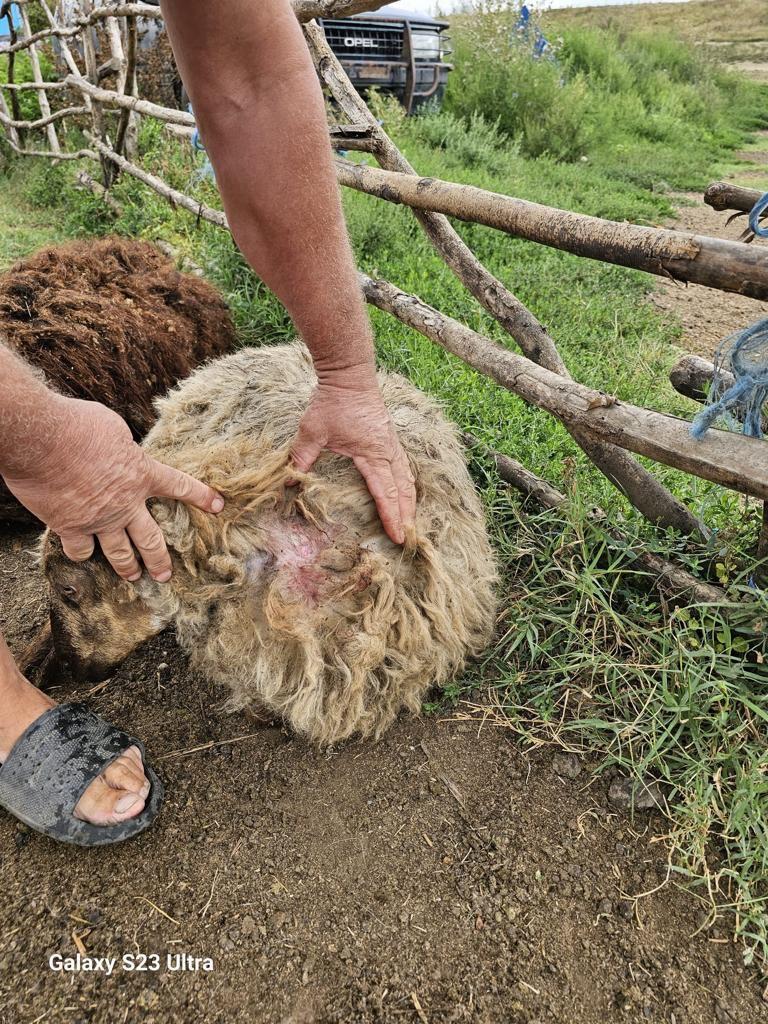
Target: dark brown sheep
[[110, 320]]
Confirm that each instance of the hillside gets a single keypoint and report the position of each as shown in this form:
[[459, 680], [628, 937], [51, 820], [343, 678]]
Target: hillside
[[737, 34]]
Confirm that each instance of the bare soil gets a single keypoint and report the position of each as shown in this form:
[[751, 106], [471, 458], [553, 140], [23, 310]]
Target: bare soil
[[708, 316], [440, 875]]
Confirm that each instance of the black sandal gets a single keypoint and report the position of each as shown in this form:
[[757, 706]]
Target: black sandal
[[53, 763]]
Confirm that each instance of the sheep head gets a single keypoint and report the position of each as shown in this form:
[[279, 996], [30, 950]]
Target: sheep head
[[97, 619]]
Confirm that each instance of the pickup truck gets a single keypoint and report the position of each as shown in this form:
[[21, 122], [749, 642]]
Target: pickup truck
[[396, 51]]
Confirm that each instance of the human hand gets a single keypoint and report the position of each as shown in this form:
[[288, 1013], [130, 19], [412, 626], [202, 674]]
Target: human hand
[[348, 416], [94, 482]]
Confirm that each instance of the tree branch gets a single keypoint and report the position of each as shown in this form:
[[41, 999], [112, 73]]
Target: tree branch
[[729, 266], [732, 460]]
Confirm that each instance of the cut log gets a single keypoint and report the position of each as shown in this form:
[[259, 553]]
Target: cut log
[[672, 579], [715, 262], [692, 376], [721, 195]]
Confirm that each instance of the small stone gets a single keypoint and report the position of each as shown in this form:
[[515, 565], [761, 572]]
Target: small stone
[[605, 907], [567, 765], [247, 926], [627, 793]]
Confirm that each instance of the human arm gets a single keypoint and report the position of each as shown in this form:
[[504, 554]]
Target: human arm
[[260, 111], [75, 466]]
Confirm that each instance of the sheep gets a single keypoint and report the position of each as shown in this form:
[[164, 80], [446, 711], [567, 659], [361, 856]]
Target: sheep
[[110, 320], [293, 597]]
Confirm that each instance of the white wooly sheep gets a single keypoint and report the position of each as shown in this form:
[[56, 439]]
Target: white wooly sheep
[[294, 598]]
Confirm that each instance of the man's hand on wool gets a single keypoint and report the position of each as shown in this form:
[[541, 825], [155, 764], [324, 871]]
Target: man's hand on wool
[[347, 415], [94, 484]]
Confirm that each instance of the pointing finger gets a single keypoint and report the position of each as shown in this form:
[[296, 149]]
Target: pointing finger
[[406, 489], [166, 482], [381, 483]]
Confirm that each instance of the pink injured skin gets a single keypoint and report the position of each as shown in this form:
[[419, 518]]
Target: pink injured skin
[[309, 562]]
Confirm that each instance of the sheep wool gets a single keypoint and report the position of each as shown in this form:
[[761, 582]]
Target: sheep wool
[[293, 597]]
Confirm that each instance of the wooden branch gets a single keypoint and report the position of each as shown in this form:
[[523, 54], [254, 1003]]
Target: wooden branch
[[66, 53], [692, 376], [42, 122], [640, 487], [26, 86], [174, 197], [15, 111], [12, 134], [49, 154], [55, 30], [672, 579], [721, 195], [305, 10], [716, 262], [731, 460], [126, 138], [110, 98], [37, 76], [90, 184]]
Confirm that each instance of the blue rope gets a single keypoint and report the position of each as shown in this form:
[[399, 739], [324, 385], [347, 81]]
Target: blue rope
[[747, 357], [760, 207]]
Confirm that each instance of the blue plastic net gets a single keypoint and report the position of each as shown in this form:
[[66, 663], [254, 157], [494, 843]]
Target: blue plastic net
[[744, 356], [740, 404], [760, 207]]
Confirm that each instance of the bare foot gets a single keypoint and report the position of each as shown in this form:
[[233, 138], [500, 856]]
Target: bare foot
[[116, 795]]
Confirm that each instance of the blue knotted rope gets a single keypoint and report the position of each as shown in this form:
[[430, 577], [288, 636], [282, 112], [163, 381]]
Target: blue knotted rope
[[746, 355], [760, 207]]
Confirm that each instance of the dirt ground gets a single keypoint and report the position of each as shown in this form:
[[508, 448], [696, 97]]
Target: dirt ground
[[709, 316], [441, 875]]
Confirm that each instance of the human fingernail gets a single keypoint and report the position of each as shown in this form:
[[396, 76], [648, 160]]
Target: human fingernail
[[125, 803], [163, 577], [217, 504], [144, 791], [133, 579]]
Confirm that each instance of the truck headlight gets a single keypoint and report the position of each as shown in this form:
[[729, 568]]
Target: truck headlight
[[426, 45]]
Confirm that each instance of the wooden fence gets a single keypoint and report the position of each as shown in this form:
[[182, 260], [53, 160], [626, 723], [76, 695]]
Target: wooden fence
[[93, 43]]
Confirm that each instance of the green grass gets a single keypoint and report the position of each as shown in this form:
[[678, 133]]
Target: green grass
[[587, 654]]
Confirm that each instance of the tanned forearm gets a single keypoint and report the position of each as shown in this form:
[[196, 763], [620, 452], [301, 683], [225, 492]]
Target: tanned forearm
[[30, 417], [261, 115]]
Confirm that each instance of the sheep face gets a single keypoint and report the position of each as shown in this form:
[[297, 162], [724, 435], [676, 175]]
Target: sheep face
[[97, 619]]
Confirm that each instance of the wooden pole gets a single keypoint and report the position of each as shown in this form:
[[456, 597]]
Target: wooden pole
[[37, 76], [672, 579], [716, 262], [732, 460]]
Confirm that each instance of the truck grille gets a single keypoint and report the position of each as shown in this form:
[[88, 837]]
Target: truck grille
[[349, 40]]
